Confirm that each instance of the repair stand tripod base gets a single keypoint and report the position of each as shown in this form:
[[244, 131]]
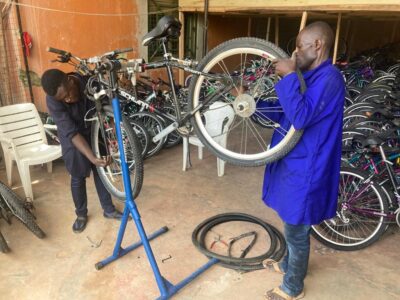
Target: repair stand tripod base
[[118, 250], [167, 289]]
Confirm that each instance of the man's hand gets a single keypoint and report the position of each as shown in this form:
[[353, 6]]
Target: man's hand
[[285, 66], [102, 162]]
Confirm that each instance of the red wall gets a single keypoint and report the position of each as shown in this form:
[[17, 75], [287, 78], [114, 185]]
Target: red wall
[[83, 35]]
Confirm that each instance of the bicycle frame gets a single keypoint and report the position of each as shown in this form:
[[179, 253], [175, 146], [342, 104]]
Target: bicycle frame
[[394, 182], [170, 62]]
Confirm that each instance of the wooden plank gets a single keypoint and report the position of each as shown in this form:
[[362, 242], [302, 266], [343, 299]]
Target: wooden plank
[[303, 20], [298, 5], [335, 49]]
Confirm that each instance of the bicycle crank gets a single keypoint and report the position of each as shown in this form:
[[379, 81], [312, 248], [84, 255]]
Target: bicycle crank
[[165, 132]]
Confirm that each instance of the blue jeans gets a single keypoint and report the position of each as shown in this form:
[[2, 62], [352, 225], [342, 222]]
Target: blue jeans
[[78, 189], [295, 263]]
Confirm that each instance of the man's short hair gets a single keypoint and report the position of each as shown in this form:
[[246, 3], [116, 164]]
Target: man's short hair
[[324, 31], [51, 80]]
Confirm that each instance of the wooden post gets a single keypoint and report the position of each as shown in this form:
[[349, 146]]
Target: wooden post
[[335, 49], [249, 27], [277, 31], [393, 37], [5, 88], [268, 29], [303, 20], [181, 46]]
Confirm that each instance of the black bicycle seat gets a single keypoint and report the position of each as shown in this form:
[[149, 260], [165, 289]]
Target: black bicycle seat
[[167, 26], [372, 141], [382, 112]]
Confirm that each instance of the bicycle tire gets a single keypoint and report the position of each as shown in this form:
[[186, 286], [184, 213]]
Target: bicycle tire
[[17, 208], [332, 232], [352, 118], [3, 244], [154, 125], [258, 152], [276, 250], [113, 179], [142, 135]]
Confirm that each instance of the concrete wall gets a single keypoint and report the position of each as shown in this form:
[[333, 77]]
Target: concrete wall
[[83, 35]]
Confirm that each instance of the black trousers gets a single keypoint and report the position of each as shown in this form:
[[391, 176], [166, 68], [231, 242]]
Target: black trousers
[[79, 195]]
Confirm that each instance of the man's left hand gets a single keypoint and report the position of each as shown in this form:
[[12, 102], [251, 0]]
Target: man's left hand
[[285, 66]]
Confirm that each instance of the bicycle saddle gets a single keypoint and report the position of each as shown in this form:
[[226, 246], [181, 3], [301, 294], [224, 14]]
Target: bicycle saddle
[[372, 141], [167, 26], [382, 112]]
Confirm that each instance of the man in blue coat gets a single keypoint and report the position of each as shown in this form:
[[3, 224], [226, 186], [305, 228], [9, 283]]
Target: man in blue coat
[[302, 187], [68, 106]]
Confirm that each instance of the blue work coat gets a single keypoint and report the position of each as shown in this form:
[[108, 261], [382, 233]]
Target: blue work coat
[[302, 187], [69, 119]]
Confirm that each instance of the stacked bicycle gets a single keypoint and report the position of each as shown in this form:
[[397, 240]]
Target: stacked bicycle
[[12, 205], [368, 200]]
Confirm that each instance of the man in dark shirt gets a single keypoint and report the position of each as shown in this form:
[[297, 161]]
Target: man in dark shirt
[[68, 105]]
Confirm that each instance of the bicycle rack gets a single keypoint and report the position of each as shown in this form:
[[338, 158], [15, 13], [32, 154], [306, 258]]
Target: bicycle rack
[[167, 289]]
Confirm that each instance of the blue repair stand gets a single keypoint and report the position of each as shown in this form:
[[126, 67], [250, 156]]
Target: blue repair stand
[[166, 288]]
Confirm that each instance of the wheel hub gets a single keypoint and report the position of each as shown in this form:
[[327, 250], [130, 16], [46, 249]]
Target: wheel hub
[[244, 105]]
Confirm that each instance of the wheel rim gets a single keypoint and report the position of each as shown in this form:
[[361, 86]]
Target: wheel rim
[[113, 172], [252, 138], [354, 223]]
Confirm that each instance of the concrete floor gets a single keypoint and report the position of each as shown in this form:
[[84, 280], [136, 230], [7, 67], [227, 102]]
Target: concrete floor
[[61, 266]]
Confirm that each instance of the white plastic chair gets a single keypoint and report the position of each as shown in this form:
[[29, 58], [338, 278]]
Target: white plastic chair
[[23, 139], [218, 119]]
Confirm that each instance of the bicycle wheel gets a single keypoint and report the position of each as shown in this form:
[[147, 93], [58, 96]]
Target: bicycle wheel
[[360, 219], [142, 135], [350, 119], [154, 125], [111, 176], [244, 67], [3, 244], [17, 208]]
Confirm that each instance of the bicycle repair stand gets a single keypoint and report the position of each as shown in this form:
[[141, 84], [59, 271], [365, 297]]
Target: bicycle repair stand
[[166, 288]]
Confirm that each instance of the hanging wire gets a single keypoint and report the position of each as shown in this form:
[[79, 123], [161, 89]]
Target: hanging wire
[[10, 2]]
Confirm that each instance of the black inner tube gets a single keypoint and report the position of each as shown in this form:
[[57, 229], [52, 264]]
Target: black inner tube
[[276, 250]]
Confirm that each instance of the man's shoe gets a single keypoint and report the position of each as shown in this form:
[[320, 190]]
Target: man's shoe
[[113, 215], [79, 224]]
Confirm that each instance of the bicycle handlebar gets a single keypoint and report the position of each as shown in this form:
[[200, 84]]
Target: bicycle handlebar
[[57, 51], [124, 50]]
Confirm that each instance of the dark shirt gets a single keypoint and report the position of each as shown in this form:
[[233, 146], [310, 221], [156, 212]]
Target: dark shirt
[[70, 120]]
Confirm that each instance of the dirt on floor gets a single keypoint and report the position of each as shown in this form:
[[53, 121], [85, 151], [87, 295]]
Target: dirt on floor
[[61, 266]]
